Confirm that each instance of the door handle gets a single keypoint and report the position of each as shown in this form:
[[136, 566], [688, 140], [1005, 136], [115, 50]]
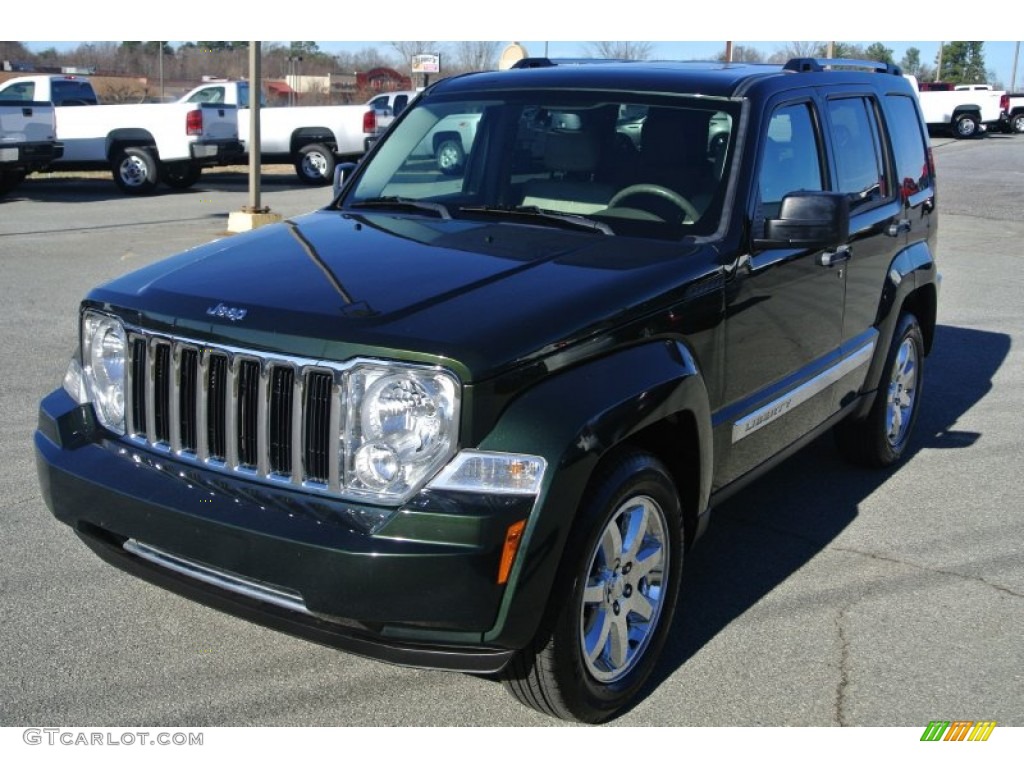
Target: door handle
[[903, 225], [838, 256]]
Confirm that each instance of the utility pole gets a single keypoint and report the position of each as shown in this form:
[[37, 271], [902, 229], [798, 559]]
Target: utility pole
[[255, 83], [728, 50], [253, 215], [1013, 75], [938, 67]]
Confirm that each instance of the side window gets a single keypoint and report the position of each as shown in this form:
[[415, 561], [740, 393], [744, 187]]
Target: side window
[[859, 169], [19, 92], [790, 156], [381, 102], [908, 144], [400, 102]]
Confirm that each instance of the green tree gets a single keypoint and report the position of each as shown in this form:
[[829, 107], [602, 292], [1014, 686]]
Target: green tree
[[840, 50], [963, 62], [878, 52], [911, 65], [303, 48], [742, 53]]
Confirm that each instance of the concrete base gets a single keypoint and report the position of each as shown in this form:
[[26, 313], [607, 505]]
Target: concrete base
[[241, 221]]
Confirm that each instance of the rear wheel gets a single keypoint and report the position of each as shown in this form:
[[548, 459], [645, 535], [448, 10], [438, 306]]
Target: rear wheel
[[1017, 121], [314, 164], [880, 439], [612, 606], [965, 125], [136, 170]]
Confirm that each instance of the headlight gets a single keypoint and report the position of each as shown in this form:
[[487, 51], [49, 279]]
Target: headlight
[[104, 353], [402, 428]]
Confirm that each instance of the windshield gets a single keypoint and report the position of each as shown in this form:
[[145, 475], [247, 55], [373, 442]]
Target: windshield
[[653, 168]]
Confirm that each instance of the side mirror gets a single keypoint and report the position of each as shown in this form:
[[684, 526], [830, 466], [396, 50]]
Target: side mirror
[[808, 220], [341, 172]]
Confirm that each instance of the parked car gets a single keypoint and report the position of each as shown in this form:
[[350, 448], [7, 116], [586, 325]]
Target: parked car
[[965, 111], [142, 144], [1011, 112], [311, 138], [390, 105], [28, 140], [476, 421]]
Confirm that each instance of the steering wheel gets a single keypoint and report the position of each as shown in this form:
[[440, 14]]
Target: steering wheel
[[656, 189]]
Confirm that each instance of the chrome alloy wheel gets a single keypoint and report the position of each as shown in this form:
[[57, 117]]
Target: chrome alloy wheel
[[902, 395], [623, 596], [134, 171], [314, 166]]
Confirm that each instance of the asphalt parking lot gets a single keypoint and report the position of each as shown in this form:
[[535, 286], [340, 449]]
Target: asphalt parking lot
[[822, 595]]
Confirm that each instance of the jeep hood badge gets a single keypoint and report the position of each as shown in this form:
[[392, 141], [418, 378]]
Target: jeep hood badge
[[231, 313]]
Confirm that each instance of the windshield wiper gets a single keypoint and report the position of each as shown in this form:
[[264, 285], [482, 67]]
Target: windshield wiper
[[402, 203], [532, 213]]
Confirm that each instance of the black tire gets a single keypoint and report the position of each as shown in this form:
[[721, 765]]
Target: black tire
[[10, 179], [1017, 123], [572, 669], [880, 439], [135, 170], [450, 157], [314, 164], [181, 175], [966, 125]]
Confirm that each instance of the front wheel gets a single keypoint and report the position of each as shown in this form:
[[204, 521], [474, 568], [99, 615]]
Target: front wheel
[[880, 439], [314, 164], [614, 598], [450, 157], [136, 171], [10, 179], [181, 175]]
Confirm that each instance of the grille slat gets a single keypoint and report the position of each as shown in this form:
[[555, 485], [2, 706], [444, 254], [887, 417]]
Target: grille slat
[[318, 406], [271, 417], [162, 393], [282, 390], [247, 422], [188, 382], [217, 389]]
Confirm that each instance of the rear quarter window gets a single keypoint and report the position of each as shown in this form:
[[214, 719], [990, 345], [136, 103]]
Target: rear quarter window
[[908, 144]]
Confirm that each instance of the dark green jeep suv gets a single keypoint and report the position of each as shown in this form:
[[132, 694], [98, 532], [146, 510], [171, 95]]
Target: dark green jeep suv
[[472, 414]]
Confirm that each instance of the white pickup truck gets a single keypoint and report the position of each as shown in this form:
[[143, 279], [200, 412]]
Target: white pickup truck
[[28, 140], [965, 111], [142, 144], [311, 138]]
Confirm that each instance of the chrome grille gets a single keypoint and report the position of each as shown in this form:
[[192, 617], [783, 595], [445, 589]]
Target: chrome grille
[[265, 416]]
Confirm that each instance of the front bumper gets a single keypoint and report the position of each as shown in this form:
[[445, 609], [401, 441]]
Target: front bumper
[[422, 591]]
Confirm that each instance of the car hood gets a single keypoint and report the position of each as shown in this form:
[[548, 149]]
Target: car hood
[[478, 296]]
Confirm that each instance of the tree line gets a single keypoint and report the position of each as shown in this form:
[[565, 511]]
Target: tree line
[[961, 62]]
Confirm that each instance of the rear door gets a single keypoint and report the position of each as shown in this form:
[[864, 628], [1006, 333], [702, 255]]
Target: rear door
[[862, 169]]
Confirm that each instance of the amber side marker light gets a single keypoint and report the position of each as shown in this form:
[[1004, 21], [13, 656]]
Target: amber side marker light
[[513, 536]]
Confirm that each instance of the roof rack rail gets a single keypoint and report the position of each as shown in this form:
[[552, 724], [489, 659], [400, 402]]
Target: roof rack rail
[[534, 62], [820, 65]]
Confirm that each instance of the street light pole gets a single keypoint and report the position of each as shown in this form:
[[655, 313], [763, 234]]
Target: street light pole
[[255, 82]]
